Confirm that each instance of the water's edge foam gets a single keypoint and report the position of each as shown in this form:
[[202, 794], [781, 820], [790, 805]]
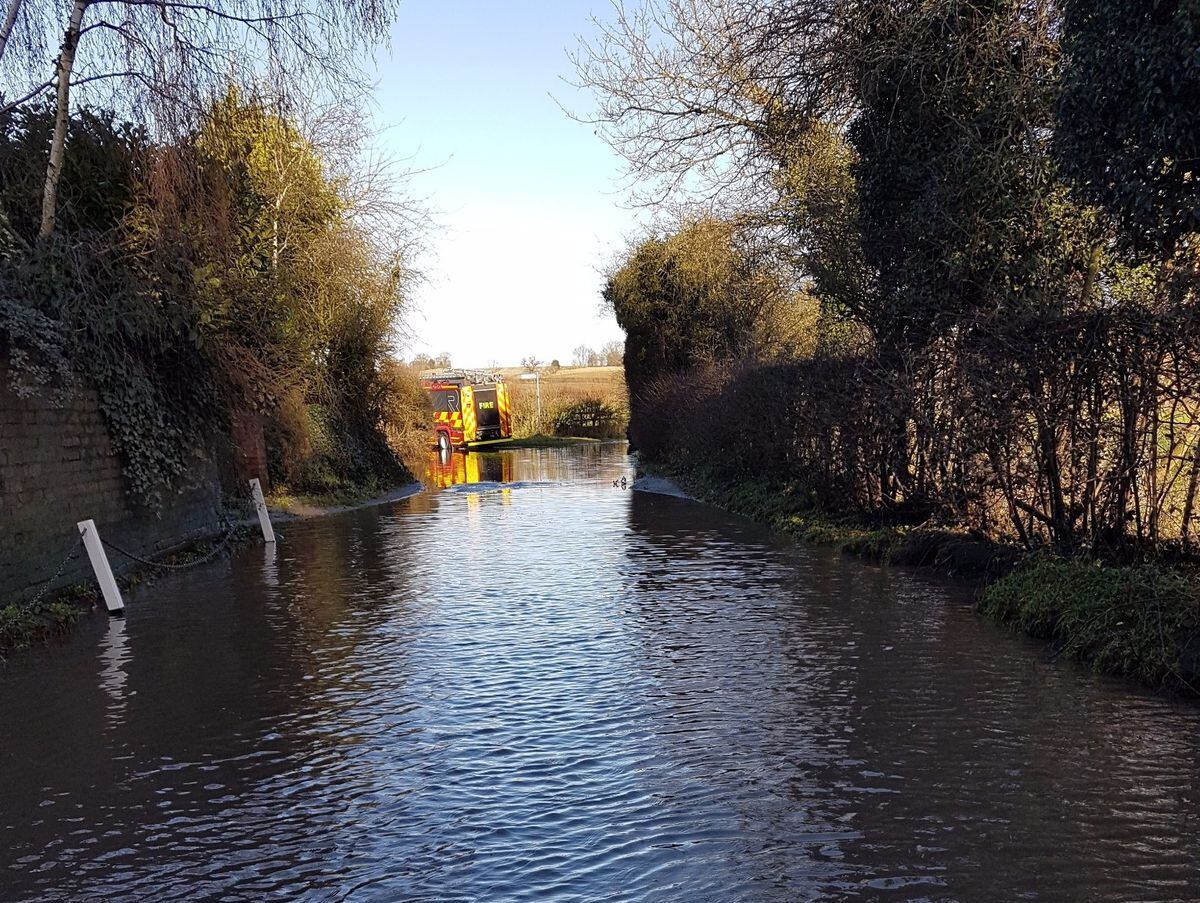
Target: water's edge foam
[[659, 486]]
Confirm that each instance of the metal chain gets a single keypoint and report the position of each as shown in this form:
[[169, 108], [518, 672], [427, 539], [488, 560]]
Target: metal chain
[[30, 603], [49, 584], [176, 567]]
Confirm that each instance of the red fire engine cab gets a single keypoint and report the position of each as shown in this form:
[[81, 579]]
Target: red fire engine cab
[[470, 407]]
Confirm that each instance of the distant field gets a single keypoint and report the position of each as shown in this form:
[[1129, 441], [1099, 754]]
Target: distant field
[[562, 388], [600, 376], [602, 381]]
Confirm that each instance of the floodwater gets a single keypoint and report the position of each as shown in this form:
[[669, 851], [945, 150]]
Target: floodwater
[[532, 684]]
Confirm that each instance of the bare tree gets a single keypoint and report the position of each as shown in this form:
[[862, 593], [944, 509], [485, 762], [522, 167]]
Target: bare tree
[[582, 355], [167, 58], [701, 96], [613, 353], [737, 110]]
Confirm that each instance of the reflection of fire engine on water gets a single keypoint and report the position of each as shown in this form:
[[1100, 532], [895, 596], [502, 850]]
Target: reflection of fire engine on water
[[445, 468], [470, 407]]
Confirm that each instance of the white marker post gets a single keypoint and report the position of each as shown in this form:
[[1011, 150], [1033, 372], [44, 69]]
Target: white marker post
[[104, 574], [260, 506], [536, 376]]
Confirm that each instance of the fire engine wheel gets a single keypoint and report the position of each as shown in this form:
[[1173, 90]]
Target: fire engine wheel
[[444, 445]]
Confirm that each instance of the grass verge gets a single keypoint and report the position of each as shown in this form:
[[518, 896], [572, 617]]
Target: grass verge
[[283, 498], [541, 440], [22, 626], [1141, 621]]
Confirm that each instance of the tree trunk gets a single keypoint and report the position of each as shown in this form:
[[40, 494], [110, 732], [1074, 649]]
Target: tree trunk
[[10, 20], [1090, 279], [66, 64], [1189, 503]]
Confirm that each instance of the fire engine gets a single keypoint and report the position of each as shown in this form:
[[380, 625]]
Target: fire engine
[[470, 407]]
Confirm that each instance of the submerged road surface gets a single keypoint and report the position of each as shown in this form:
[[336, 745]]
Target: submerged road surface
[[536, 686]]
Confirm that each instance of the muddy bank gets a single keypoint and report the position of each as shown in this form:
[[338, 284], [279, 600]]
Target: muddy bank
[[287, 507]]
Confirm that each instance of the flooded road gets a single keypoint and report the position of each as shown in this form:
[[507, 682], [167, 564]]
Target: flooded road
[[533, 685]]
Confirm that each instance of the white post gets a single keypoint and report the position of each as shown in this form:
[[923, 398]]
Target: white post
[[104, 574], [270, 569], [537, 377], [260, 506]]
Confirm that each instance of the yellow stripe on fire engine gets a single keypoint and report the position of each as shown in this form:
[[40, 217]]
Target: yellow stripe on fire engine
[[468, 407], [505, 411]]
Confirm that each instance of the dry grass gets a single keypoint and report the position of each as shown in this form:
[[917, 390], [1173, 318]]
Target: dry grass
[[407, 415], [602, 381]]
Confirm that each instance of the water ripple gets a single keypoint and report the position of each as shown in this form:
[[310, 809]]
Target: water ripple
[[574, 692]]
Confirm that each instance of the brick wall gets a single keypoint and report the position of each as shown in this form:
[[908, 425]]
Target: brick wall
[[249, 448], [58, 467]]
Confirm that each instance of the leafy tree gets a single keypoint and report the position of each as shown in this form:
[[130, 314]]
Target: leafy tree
[[302, 286], [704, 294], [226, 271], [954, 183], [1128, 130], [164, 60], [926, 172]]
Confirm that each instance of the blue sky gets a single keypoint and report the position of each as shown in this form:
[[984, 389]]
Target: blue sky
[[527, 199]]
